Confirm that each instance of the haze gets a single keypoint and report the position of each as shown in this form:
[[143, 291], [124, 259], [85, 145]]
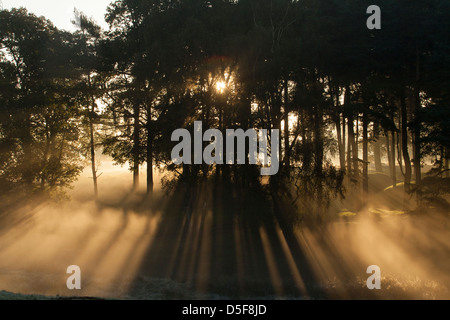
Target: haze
[[61, 12]]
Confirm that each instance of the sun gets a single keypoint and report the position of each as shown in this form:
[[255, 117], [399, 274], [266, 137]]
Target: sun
[[221, 86]]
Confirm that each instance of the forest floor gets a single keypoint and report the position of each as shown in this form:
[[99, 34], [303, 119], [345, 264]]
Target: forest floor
[[220, 246]]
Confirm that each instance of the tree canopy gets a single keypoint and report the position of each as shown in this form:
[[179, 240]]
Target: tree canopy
[[344, 97]]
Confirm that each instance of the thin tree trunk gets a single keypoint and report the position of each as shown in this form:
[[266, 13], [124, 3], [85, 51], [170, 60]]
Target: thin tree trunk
[[318, 161], [365, 159], [377, 156], [417, 159], [417, 127], [287, 160], [150, 184], [394, 166], [136, 147], [446, 164], [388, 151], [350, 145], [45, 156], [399, 143], [339, 130], [344, 137], [303, 122], [350, 135], [355, 150], [318, 141], [406, 157], [340, 145], [28, 162], [352, 160], [93, 163], [377, 149], [92, 140]]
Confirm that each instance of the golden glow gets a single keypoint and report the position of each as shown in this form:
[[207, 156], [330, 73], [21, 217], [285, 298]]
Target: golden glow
[[221, 86], [120, 249], [293, 120]]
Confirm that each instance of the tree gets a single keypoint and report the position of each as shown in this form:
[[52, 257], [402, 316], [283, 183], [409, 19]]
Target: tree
[[39, 117], [91, 86]]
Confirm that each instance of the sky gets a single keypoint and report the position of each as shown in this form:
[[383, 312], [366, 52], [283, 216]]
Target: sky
[[60, 12]]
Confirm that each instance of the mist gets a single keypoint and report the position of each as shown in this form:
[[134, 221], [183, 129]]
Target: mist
[[129, 246]]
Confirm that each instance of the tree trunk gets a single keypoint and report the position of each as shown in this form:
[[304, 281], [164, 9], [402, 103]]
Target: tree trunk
[[355, 150], [28, 162], [399, 151], [275, 123], [388, 151], [91, 111], [394, 165], [350, 136], [287, 160], [446, 165], [352, 158], [405, 152], [318, 160], [318, 141], [92, 146], [45, 156], [136, 147], [344, 137], [377, 156], [365, 159], [341, 145], [416, 146], [150, 183], [350, 145], [377, 149], [417, 127]]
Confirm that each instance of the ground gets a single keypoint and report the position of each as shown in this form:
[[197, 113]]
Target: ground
[[129, 247]]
